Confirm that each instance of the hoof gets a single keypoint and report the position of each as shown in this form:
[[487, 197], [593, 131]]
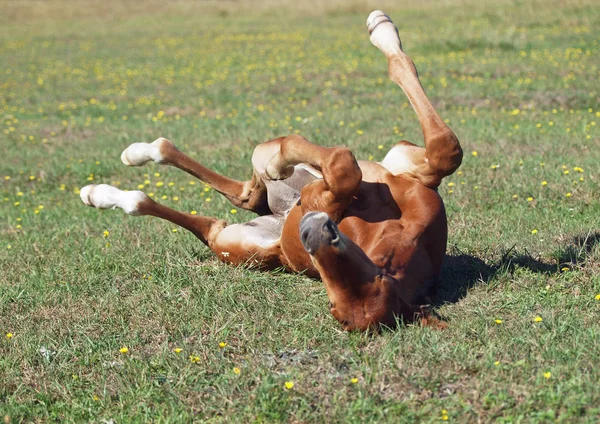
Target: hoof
[[384, 34], [84, 193], [138, 154], [275, 171], [104, 196]]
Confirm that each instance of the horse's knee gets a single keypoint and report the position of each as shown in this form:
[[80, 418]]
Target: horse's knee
[[341, 171], [444, 154]]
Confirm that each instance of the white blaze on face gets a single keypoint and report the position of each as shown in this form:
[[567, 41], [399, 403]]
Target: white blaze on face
[[104, 196], [139, 153]]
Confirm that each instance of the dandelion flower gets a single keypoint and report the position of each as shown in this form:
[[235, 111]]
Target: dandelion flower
[[289, 385], [233, 211], [105, 234], [194, 359], [547, 375], [538, 319], [354, 380], [534, 231], [598, 297], [474, 153], [124, 349], [9, 335], [530, 199], [498, 321], [497, 363], [177, 350], [544, 183], [193, 212], [568, 194], [222, 344], [237, 371]]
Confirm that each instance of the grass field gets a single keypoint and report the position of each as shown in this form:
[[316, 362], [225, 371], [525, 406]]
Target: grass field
[[122, 319]]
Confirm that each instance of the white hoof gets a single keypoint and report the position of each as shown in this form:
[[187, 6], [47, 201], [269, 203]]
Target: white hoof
[[384, 34], [104, 196], [139, 153], [275, 170]]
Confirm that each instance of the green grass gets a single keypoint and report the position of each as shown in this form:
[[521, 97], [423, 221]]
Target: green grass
[[517, 81]]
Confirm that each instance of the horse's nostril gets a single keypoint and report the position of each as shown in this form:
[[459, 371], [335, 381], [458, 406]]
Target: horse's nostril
[[304, 235], [332, 228]]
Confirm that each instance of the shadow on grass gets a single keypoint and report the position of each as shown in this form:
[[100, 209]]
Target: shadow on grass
[[460, 271]]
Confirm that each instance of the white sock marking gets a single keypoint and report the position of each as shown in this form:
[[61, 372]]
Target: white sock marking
[[104, 196], [384, 34], [139, 153]]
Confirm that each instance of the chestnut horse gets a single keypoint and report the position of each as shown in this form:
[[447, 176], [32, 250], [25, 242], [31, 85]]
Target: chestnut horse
[[375, 233]]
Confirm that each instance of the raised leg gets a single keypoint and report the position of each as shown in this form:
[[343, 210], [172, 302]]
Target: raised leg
[[250, 195], [341, 174], [442, 154]]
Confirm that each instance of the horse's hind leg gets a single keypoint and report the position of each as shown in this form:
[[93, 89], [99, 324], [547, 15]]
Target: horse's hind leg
[[442, 154], [137, 203], [250, 195], [255, 243]]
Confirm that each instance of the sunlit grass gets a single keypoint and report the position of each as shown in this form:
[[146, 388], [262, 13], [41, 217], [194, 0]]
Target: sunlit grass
[[104, 316]]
